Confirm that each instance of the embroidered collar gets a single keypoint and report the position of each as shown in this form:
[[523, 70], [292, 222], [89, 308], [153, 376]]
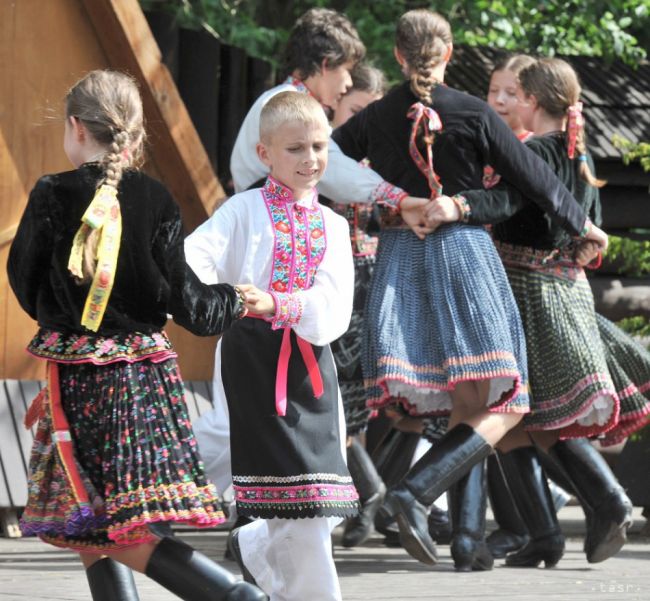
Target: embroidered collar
[[298, 84], [278, 192]]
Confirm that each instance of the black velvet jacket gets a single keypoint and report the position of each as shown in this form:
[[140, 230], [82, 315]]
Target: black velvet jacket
[[517, 220], [473, 136], [152, 278]]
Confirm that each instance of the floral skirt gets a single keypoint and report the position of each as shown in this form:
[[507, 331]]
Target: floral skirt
[[571, 388], [440, 312], [114, 452]]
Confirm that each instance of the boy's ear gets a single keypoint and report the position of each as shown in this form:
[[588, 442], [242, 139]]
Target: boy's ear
[[263, 154], [324, 66]]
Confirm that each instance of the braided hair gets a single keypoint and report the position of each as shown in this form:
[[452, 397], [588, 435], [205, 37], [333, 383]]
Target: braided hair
[[555, 85], [108, 104], [423, 39]]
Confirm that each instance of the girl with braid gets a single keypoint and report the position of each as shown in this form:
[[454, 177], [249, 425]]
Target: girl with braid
[[588, 378], [98, 262], [443, 330]]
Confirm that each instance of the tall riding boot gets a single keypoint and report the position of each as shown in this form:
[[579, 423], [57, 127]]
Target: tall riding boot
[[467, 505], [392, 457], [110, 580], [607, 507], [191, 576], [527, 481], [371, 490], [512, 533], [440, 467]]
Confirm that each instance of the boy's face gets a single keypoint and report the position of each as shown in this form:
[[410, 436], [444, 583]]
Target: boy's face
[[296, 154], [330, 84]]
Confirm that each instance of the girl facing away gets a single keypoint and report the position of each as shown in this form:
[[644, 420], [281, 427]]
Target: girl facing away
[[98, 262], [585, 373], [444, 333]]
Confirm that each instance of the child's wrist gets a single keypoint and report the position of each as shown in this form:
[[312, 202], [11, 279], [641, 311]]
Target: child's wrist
[[240, 307], [463, 206], [585, 229]]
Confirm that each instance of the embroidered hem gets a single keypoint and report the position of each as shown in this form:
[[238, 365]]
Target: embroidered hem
[[431, 379], [100, 350], [389, 195], [302, 500]]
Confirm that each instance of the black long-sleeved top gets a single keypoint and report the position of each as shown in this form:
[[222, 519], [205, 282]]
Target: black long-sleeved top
[[151, 280], [517, 220], [473, 136]]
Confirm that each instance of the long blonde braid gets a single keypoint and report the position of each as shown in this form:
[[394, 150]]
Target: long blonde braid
[[108, 104]]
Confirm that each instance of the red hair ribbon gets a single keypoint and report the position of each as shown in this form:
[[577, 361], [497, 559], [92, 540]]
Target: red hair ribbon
[[575, 123], [426, 117]]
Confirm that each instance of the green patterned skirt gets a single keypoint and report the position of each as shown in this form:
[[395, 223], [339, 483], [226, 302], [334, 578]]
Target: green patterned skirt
[[571, 389], [629, 366]]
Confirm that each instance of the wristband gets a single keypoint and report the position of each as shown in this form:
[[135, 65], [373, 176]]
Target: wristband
[[241, 299], [463, 206], [585, 229]]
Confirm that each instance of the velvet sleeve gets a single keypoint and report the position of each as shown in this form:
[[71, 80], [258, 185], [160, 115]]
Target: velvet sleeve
[[203, 309], [528, 174], [31, 251]]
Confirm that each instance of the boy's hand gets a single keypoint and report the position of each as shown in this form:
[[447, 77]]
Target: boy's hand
[[441, 210], [412, 212], [586, 252], [257, 301]]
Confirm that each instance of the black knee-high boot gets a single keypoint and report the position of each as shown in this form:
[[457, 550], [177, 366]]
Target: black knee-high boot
[[371, 492], [512, 533], [467, 505], [191, 576], [608, 509], [442, 465], [110, 580], [527, 482]]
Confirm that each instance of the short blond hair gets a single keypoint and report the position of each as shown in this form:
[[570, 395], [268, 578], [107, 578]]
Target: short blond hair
[[289, 107]]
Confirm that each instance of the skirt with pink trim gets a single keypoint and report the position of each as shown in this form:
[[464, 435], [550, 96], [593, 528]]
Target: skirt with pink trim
[[629, 365], [131, 460], [440, 312], [570, 383]]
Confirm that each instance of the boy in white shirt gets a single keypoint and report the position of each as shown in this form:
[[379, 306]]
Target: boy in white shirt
[[293, 259]]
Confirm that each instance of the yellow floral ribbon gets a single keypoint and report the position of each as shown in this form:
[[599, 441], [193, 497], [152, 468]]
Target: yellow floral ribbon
[[103, 214]]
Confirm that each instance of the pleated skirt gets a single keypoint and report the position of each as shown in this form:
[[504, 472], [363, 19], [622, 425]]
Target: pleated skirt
[[134, 452], [629, 366], [440, 311], [570, 383]]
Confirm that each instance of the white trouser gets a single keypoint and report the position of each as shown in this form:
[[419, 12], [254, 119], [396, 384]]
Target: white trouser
[[291, 560]]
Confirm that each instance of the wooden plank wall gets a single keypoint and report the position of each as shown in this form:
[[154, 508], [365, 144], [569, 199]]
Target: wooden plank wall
[[44, 48]]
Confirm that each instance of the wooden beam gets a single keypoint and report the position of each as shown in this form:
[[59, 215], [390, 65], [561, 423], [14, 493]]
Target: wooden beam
[[174, 145]]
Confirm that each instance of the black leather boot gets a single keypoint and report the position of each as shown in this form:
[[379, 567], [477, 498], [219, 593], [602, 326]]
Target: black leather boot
[[467, 505], [191, 576], [607, 507], [512, 533], [439, 525], [527, 481], [110, 580], [371, 492], [441, 466]]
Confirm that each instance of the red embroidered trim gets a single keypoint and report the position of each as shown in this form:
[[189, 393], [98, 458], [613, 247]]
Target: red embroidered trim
[[388, 195]]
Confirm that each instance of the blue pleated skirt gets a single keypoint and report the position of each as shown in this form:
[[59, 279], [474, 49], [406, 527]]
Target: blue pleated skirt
[[440, 311]]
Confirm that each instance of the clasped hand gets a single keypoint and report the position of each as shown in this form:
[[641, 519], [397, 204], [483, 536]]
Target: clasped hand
[[424, 215]]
